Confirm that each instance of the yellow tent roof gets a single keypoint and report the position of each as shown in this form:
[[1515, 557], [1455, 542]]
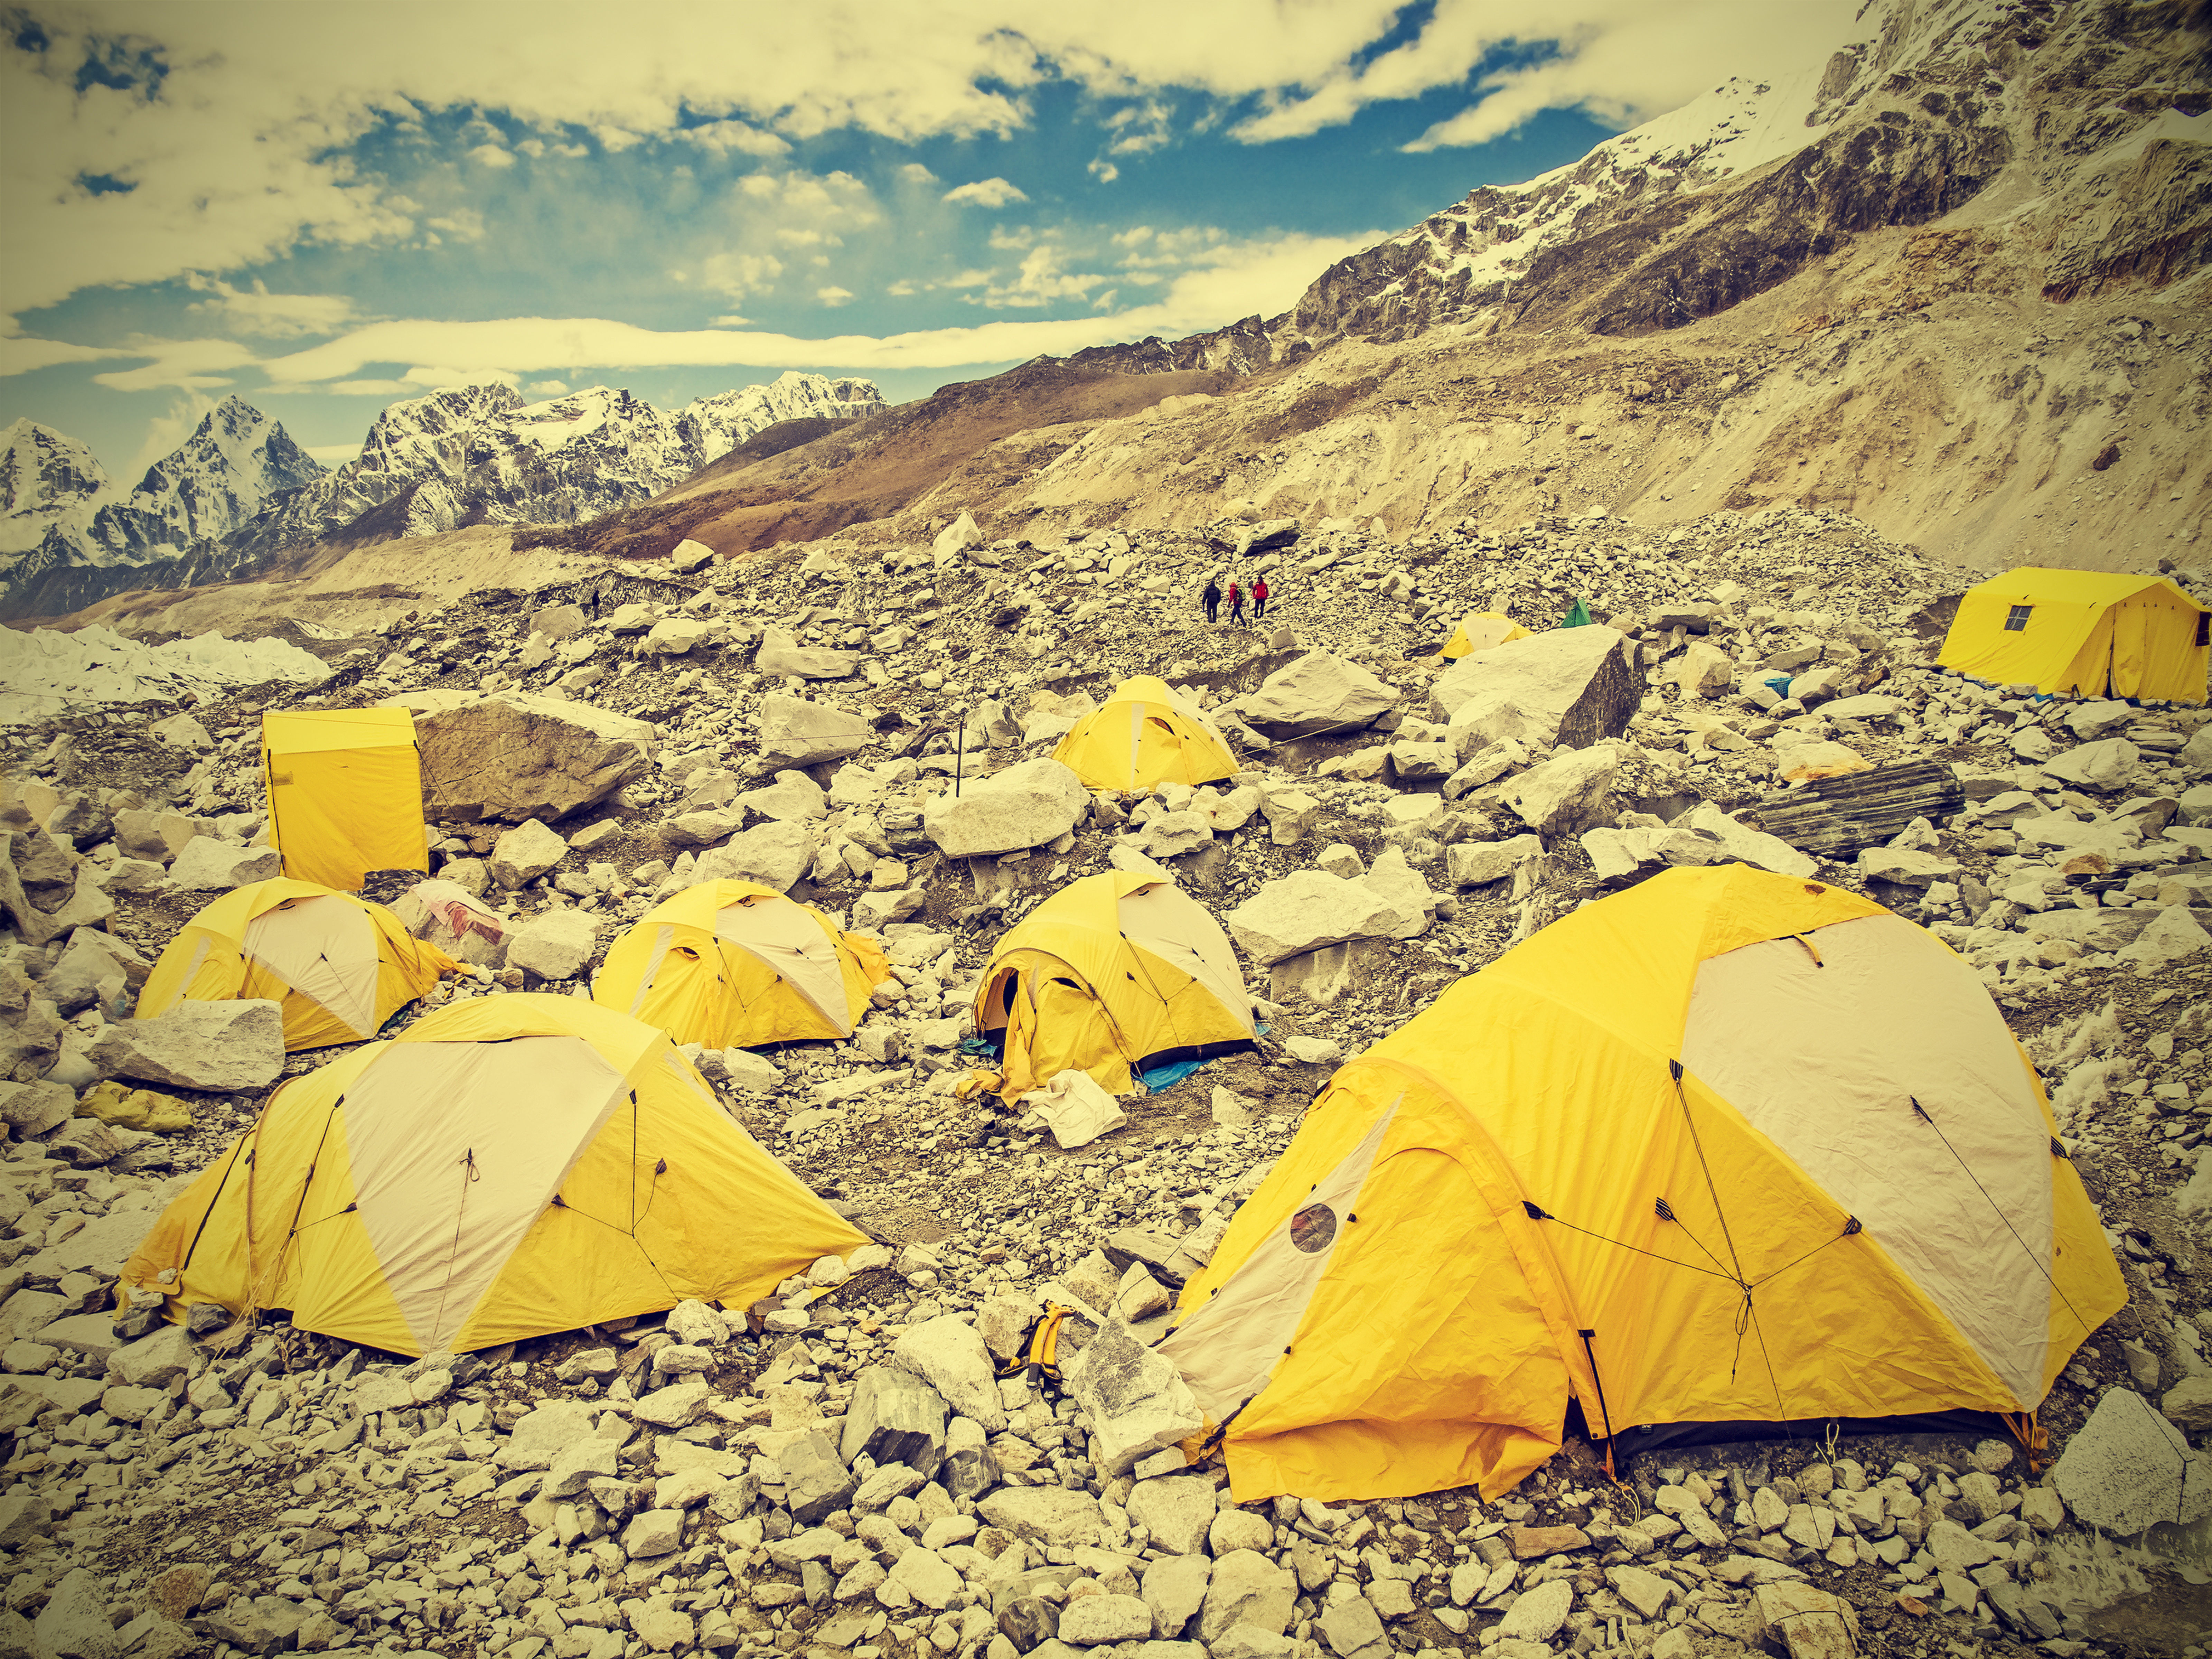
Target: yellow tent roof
[[1729, 1147], [2081, 632], [313, 730], [505, 1167], [1114, 971], [733, 963], [339, 966], [1147, 733], [1479, 630]]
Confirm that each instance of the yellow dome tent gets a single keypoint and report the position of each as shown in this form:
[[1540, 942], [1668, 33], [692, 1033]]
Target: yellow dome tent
[[1726, 1148], [508, 1167], [2083, 632], [1147, 733], [1113, 972], [734, 964], [1479, 630], [340, 965], [345, 794]]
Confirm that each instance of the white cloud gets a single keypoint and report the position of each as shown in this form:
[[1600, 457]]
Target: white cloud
[[738, 274], [914, 173], [186, 365], [165, 431], [255, 310], [901, 289], [462, 224], [491, 155], [334, 454], [833, 295], [723, 137], [1103, 170], [985, 193], [21, 354], [1040, 280], [547, 388]]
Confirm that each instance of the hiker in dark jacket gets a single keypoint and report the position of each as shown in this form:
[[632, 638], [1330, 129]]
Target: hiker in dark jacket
[[1212, 597], [1259, 599], [1236, 603]]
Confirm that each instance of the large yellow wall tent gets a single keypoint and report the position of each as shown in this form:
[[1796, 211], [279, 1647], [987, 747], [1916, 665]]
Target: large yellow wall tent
[[1729, 1148], [2083, 634], [1112, 973], [1479, 630], [734, 964], [508, 1167], [1147, 733], [340, 965], [345, 794]]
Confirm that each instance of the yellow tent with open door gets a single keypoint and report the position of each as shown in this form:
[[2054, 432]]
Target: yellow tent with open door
[[1112, 973], [508, 1167], [734, 964], [1147, 733], [2083, 632], [345, 794], [1726, 1150], [1479, 630], [340, 965]]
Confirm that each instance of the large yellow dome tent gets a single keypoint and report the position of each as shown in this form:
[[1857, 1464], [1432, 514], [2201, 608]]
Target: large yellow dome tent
[[340, 965], [345, 794], [1479, 630], [1112, 973], [1147, 733], [734, 964], [509, 1167], [2084, 633], [1726, 1148]]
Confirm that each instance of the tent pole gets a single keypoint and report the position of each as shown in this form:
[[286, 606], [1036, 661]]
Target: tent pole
[[1604, 1415]]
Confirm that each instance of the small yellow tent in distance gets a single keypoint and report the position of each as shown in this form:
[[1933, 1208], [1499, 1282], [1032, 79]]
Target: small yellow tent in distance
[[340, 965], [1147, 733], [1113, 973], [2082, 633], [734, 964], [1479, 630], [1726, 1149], [505, 1167], [345, 794]]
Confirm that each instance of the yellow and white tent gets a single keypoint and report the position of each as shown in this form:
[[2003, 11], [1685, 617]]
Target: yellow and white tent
[[734, 964], [340, 965], [1479, 630], [1113, 972], [1147, 733], [2083, 632], [1726, 1148], [505, 1167], [345, 794]]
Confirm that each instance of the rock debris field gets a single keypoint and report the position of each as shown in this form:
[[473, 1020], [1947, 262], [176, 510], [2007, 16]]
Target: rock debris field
[[844, 1471]]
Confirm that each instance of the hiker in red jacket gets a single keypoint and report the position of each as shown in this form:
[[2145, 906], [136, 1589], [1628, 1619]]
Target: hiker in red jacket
[[1236, 603], [1259, 599]]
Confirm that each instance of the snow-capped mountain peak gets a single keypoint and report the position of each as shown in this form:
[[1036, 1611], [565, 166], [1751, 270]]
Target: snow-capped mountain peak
[[235, 461], [45, 475]]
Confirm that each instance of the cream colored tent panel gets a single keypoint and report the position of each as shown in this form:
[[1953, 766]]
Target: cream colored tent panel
[[1479, 630], [327, 951], [1146, 734]]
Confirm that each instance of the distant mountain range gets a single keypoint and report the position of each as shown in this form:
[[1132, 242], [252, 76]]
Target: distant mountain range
[[240, 491]]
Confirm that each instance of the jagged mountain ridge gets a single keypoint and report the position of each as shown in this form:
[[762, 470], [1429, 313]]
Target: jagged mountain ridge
[[238, 492]]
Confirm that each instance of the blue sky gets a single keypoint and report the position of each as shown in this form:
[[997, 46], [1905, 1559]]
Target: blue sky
[[326, 209]]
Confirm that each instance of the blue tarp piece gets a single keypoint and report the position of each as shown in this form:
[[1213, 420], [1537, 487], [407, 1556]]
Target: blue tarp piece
[[1167, 1076]]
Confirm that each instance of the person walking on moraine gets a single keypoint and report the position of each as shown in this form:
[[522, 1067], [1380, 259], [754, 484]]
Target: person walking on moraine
[[1259, 599], [1235, 602], [1212, 597]]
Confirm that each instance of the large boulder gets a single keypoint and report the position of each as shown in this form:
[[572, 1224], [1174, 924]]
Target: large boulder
[[557, 945], [948, 1354], [215, 1046], [794, 731], [1570, 686], [2128, 1468], [208, 865], [1751, 846], [1318, 693], [1305, 911], [1567, 793], [526, 853], [1137, 1400], [517, 755], [1010, 811], [780, 654], [774, 854]]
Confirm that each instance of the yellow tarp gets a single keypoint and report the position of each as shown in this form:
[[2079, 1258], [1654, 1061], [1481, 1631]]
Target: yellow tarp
[[734, 964], [345, 794], [1146, 734], [405, 1197], [338, 984], [2081, 632], [1479, 630], [1440, 1343]]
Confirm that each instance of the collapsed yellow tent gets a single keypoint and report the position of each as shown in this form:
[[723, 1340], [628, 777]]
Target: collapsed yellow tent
[[1726, 1148], [734, 964], [340, 965], [1112, 973], [1147, 733], [345, 794], [2082, 633], [508, 1167], [1479, 630]]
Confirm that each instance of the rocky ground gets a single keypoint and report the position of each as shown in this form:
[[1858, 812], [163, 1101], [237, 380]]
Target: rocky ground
[[848, 1475]]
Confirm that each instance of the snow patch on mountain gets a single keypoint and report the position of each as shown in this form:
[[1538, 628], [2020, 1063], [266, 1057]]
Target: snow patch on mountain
[[45, 476], [45, 671]]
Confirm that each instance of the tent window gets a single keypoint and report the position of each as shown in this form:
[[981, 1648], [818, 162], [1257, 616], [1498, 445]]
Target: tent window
[[2203, 629], [2016, 619]]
